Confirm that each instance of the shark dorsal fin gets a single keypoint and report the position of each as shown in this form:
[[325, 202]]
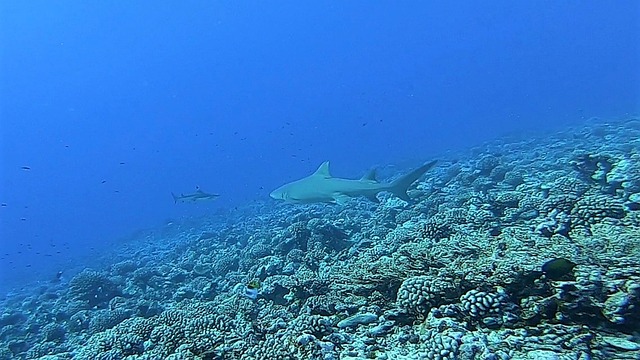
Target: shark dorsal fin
[[323, 170], [370, 175]]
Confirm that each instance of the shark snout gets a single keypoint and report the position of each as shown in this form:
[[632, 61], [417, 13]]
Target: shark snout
[[276, 194], [279, 194]]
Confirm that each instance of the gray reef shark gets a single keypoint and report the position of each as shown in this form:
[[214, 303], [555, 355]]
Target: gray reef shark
[[199, 195], [322, 187]]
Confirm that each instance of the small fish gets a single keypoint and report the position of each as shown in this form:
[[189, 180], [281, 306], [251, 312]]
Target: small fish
[[254, 284], [558, 268], [633, 206], [495, 231], [3, 204], [252, 289], [25, 168]]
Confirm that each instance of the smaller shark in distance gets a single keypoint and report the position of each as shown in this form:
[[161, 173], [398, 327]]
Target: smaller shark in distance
[[322, 187], [199, 195]]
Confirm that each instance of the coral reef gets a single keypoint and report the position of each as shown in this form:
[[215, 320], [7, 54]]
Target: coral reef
[[459, 273]]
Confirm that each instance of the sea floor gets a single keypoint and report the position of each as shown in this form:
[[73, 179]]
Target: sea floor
[[522, 248]]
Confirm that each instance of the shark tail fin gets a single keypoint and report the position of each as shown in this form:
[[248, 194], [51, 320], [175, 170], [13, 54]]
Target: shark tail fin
[[400, 186], [175, 198]]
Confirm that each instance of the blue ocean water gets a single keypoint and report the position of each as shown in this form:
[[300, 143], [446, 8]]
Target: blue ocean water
[[113, 106], [106, 108]]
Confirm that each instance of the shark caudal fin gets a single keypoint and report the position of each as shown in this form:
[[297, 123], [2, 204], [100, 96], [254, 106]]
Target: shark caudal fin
[[399, 186], [175, 198]]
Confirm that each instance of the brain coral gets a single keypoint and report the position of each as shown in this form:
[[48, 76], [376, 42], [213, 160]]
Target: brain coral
[[594, 209], [441, 347], [93, 287], [419, 294]]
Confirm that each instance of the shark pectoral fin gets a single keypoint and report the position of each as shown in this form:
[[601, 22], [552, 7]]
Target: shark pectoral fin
[[342, 199], [323, 170], [370, 175], [403, 195]]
